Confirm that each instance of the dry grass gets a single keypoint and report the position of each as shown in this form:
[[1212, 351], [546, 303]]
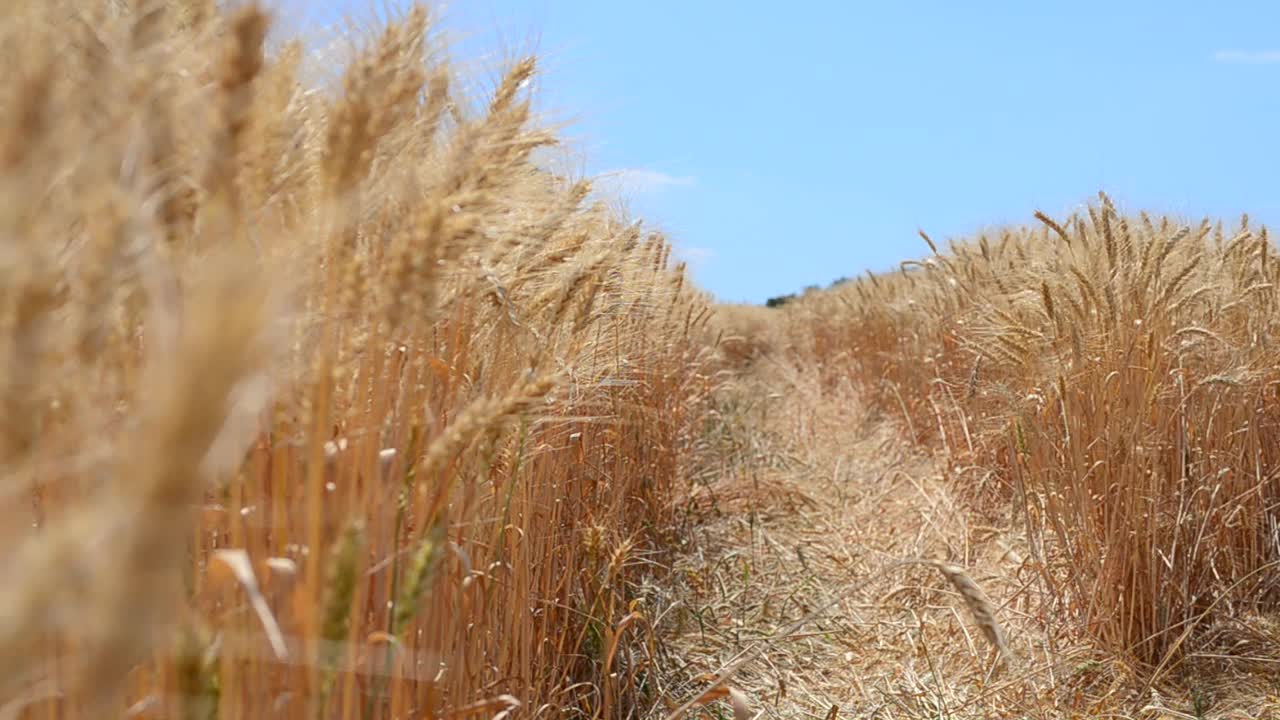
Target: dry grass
[[319, 402]]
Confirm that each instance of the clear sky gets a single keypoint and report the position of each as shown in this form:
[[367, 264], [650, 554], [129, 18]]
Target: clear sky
[[783, 144]]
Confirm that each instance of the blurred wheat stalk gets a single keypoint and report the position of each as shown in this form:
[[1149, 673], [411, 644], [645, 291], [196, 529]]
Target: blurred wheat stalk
[[338, 388]]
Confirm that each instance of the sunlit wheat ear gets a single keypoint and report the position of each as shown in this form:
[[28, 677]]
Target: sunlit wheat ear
[[243, 62], [928, 241], [980, 608], [437, 102], [1053, 225], [515, 80], [480, 417]]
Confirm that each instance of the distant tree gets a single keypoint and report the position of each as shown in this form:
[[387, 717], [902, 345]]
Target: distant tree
[[779, 301]]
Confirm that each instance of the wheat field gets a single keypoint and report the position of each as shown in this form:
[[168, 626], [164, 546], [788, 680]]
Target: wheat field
[[1099, 389], [333, 400], [319, 402]]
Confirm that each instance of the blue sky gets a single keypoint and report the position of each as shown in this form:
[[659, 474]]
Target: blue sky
[[786, 144]]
